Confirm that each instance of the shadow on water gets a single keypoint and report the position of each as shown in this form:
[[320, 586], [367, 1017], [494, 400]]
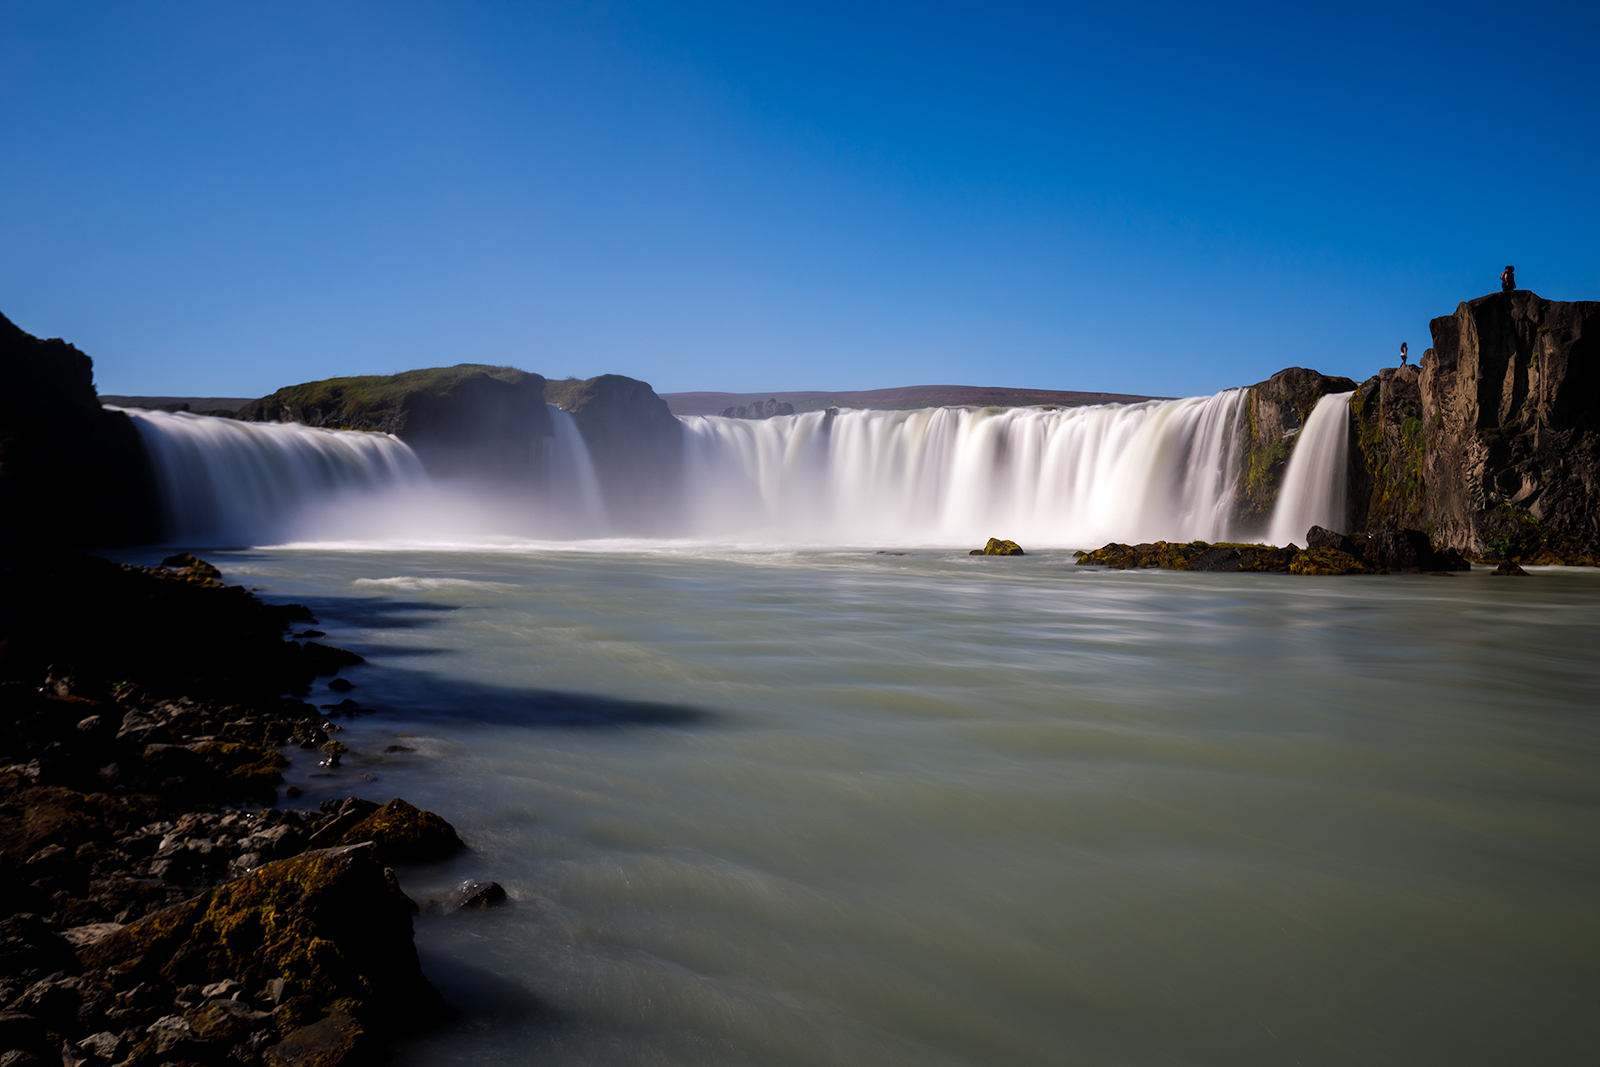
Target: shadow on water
[[427, 695]]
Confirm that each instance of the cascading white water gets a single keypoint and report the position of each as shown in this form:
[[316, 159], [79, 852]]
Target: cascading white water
[[1315, 485], [252, 482], [1076, 476]]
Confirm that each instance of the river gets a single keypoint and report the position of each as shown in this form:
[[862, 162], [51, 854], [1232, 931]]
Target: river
[[833, 806]]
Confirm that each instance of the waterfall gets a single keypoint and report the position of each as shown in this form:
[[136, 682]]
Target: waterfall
[[1315, 485], [1072, 476], [224, 481]]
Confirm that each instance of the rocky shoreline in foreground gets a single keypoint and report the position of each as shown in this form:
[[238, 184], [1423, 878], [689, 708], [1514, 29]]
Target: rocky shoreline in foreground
[[156, 907]]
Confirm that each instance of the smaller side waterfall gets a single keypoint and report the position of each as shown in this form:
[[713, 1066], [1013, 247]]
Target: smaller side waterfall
[[1315, 486], [247, 482]]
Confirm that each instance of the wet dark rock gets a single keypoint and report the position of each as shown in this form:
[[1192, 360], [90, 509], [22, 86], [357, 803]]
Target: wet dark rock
[[326, 659], [335, 1041], [477, 895], [341, 685], [226, 1021], [404, 834], [1511, 569], [329, 921]]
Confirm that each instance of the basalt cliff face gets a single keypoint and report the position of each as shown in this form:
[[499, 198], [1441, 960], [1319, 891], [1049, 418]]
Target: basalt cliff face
[[1275, 412], [636, 445], [1493, 445], [468, 418], [71, 472]]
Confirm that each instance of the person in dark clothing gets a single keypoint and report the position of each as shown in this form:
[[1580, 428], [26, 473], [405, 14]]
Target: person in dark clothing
[[1402, 353], [1508, 279]]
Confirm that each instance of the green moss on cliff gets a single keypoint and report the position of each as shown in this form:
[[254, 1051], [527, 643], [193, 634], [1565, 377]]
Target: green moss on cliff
[[366, 400]]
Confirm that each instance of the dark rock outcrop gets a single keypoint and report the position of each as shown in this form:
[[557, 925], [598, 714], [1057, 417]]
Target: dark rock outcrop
[[760, 409], [1224, 558], [465, 419], [1389, 451], [1275, 411], [1511, 418], [71, 472], [636, 444], [1492, 445], [332, 923]]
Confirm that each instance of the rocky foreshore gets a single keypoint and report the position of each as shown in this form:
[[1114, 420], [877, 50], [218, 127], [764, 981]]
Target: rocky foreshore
[[1326, 553], [157, 904]]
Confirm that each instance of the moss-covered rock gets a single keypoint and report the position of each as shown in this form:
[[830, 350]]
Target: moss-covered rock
[[1386, 482], [997, 547], [1223, 557], [1326, 561], [1274, 413], [405, 834], [331, 922]]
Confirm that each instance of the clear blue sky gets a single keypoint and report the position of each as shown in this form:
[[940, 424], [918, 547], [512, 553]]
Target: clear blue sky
[[223, 198]]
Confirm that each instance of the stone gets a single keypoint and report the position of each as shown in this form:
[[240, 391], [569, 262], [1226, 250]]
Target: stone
[[477, 895], [1511, 418], [89, 933], [329, 921], [404, 834], [103, 1046], [997, 547], [1511, 569], [335, 1041], [341, 685], [226, 1021], [1326, 561]]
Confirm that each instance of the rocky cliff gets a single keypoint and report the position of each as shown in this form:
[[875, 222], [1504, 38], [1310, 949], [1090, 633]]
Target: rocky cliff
[[1275, 412], [70, 471], [636, 445], [1493, 445], [469, 418]]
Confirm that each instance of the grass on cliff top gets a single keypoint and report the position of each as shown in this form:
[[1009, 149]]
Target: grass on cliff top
[[378, 391]]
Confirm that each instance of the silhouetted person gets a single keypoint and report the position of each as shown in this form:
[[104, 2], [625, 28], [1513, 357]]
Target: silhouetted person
[[1508, 279], [1402, 353]]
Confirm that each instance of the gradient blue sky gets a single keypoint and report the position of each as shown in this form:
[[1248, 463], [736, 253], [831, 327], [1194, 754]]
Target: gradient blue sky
[[223, 198]]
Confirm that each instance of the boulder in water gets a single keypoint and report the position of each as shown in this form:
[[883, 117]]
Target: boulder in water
[[997, 547], [1510, 569]]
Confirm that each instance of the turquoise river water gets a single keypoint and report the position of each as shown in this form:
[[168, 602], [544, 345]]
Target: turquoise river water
[[842, 807]]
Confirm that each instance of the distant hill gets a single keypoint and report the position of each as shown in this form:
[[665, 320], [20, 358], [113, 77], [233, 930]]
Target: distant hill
[[905, 398], [196, 404]]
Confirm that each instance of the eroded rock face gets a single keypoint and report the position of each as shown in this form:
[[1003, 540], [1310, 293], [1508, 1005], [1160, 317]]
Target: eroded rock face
[[70, 471], [468, 418], [1275, 412], [1510, 396], [1388, 450], [636, 445]]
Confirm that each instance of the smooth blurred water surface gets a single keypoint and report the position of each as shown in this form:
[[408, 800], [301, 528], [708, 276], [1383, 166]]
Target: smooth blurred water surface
[[831, 807]]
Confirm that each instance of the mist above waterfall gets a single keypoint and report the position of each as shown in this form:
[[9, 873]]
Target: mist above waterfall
[[1069, 477]]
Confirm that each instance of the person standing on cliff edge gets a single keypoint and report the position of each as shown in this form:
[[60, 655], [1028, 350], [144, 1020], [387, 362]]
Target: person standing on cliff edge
[[1508, 279], [1402, 353]]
